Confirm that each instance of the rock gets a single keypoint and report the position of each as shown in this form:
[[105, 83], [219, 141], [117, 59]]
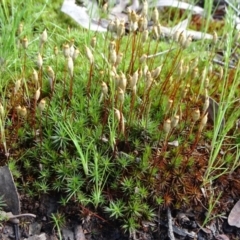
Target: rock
[[79, 235], [53, 237], [234, 216], [42, 236], [67, 234], [35, 228], [7, 230]]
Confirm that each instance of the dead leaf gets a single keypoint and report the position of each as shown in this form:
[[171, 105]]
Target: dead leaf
[[8, 191], [81, 16], [88, 16], [213, 110], [234, 216], [123, 5], [182, 27], [178, 4], [222, 237]]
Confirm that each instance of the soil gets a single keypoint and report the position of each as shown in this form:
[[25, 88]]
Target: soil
[[89, 224]]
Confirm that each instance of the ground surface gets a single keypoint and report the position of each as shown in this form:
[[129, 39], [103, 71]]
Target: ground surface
[[84, 224]]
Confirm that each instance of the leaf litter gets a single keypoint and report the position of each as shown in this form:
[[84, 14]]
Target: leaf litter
[[88, 15]]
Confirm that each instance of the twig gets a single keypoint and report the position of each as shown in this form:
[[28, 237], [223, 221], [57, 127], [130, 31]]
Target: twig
[[9, 215], [16, 231], [159, 224], [170, 227], [221, 63]]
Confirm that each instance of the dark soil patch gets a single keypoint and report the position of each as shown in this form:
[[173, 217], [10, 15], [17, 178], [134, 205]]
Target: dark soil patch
[[96, 225]]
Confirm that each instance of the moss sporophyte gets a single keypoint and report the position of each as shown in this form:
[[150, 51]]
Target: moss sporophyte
[[121, 121]]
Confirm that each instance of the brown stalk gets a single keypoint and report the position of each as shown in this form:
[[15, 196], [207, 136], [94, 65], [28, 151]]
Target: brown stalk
[[130, 69], [64, 82], [71, 89], [89, 80], [40, 73], [139, 50], [155, 51], [127, 44], [163, 86]]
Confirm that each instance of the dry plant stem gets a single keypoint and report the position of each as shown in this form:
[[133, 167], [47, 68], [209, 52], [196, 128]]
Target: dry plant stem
[[147, 110], [173, 130], [146, 101], [215, 87], [12, 101], [148, 48], [89, 81], [34, 117], [138, 50], [186, 140], [170, 225], [23, 69], [176, 88], [155, 51], [115, 150], [131, 108], [48, 106], [196, 140], [118, 44], [164, 148], [17, 128], [163, 86], [24, 63], [127, 44], [144, 105], [167, 55], [159, 224], [130, 69], [50, 99], [191, 129], [40, 73], [42, 49], [120, 125], [159, 138], [64, 83], [105, 46], [93, 214], [55, 77], [140, 46], [40, 130], [71, 90], [105, 114]]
